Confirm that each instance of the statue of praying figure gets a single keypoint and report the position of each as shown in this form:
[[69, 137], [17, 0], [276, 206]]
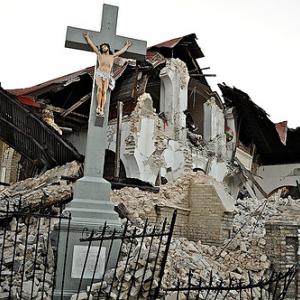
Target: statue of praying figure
[[103, 73]]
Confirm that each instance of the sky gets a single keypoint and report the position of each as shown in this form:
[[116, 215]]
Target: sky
[[253, 45]]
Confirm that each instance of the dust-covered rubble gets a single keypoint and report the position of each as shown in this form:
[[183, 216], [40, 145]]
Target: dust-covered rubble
[[244, 251], [142, 203], [48, 189]]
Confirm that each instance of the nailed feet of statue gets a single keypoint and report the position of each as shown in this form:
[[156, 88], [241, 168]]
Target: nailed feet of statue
[[99, 112]]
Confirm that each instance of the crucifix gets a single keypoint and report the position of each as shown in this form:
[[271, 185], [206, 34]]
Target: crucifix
[[96, 136], [91, 206]]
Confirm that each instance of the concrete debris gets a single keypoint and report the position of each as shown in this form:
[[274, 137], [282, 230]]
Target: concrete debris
[[244, 251], [141, 204], [32, 258], [47, 189], [48, 117]]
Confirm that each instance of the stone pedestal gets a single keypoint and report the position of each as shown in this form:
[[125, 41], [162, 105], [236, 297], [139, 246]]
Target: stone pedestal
[[87, 213]]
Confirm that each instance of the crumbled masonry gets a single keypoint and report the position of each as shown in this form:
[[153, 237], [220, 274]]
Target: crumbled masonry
[[49, 189], [244, 251]]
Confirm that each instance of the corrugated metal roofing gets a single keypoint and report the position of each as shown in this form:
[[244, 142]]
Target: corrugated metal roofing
[[169, 44], [188, 41], [257, 128], [37, 88], [27, 96], [155, 58]]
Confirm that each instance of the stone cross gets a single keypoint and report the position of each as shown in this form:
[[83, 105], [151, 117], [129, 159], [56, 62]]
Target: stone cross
[[91, 206], [95, 149]]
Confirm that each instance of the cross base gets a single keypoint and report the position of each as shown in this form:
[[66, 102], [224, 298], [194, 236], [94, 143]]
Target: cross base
[[67, 280], [90, 209], [91, 203]]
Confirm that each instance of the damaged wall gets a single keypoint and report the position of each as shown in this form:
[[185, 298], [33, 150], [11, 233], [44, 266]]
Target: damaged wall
[[282, 243], [204, 210], [152, 145], [9, 160], [273, 177], [157, 143], [212, 213]]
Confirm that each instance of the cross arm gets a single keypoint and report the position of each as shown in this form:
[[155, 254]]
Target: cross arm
[[137, 50], [75, 39]]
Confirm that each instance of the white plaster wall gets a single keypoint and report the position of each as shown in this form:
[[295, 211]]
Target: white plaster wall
[[2, 174], [147, 150], [214, 120], [174, 161], [274, 176], [231, 130], [218, 170], [137, 163], [198, 160], [145, 138]]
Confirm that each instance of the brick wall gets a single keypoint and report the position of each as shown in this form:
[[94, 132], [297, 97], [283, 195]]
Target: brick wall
[[282, 246], [181, 225], [203, 215], [210, 221]]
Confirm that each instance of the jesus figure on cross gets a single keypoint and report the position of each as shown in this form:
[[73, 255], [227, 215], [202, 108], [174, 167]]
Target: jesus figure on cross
[[103, 72]]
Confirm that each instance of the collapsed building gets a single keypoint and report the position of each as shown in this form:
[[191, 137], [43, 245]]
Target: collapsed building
[[173, 122], [270, 151]]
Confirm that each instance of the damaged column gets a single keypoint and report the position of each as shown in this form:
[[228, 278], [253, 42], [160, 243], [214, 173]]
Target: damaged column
[[174, 78], [173, 103]]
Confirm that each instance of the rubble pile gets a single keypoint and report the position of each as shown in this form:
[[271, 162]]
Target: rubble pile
[[244, 251], [142, 203], [47, 189], [28, 269], [26, 256], [137, 272]]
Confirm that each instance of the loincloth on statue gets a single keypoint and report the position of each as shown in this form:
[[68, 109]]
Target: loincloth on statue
[[106, 76]]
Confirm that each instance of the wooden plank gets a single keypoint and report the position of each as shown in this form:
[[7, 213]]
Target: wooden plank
[[76, 105]]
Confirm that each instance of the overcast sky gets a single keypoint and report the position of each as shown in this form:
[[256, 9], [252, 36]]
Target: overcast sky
[[253, 45]]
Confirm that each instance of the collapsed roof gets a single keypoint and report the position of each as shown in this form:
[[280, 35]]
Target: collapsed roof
[[256, 128], [31, 137], [69, 95]]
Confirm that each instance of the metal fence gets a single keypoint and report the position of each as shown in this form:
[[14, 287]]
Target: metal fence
[[274, 287], [28, 262], [140, 261]]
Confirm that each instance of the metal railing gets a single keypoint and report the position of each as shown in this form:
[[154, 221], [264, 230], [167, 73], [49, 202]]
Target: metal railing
[[28, 262], [30, 236], [274, 287], [140, 262], [27, 259]]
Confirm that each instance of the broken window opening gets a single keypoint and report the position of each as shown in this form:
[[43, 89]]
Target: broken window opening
[[109, 166], [197, 96], [153, 88]]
